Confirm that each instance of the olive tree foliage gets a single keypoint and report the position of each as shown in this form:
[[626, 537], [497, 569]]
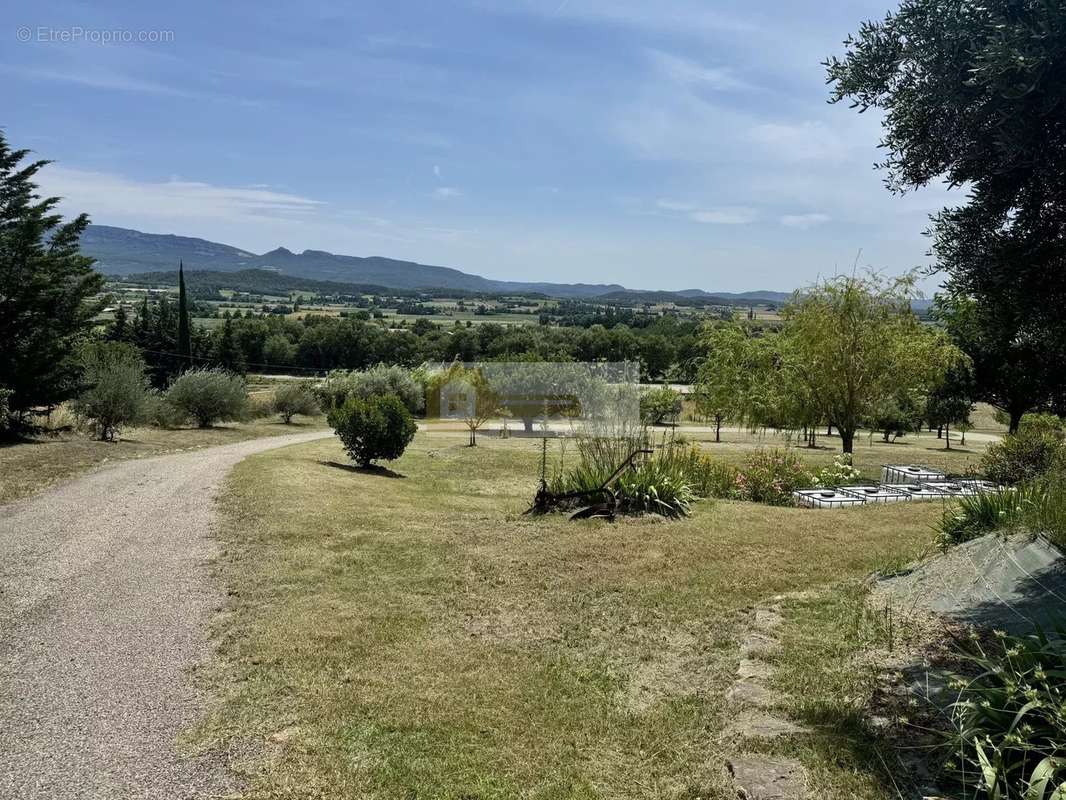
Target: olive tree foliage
[[116, 387], [379, 427], [292, 398], [853, 344], [209, 396], [377, 381], [974, 94], [46, 291]]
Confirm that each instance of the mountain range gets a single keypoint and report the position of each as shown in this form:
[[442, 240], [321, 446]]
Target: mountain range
[[122, 251]]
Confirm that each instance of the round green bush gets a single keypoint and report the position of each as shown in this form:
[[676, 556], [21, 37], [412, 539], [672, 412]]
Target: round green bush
[[116, 389], [1023, 456], [376, 428], [294, 398], [209, 396]]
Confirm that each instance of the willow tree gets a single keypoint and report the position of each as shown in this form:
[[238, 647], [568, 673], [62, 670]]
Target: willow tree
[[853, 343]]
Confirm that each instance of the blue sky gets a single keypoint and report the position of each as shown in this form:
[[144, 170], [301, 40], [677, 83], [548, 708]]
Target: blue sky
[[668, 144]]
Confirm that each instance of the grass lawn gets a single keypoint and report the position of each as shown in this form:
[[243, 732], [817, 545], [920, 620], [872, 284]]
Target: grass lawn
[[412, 635], [32, 466]]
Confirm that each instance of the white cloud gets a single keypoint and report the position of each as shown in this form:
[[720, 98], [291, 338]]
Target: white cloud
[[447, 192], [721, 215], [95, 77], [692, 73], [804, 221], [104, 193], [436, 171], [805, 141], [686, 17], [734, 215]]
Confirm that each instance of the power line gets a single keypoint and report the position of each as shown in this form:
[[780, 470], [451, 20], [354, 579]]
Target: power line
[[247, 363]]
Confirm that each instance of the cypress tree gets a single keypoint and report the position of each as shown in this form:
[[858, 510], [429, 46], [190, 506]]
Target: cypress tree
[[120, 326], [184, 337]]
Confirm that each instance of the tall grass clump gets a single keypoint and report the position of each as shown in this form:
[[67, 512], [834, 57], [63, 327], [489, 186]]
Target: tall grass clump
[[663, 481], [1038, 506], [1009, 722]]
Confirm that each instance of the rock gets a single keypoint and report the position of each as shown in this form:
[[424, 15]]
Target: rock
[[751, 693], [766, 619], [750, 669], [761, 777], [757, 644], [760, 725]]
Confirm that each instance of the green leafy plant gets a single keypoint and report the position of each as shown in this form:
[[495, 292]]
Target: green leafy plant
[[160, 413], [840, 473], [5, 410], [771, 476], [666, 483], [985, 512], [372, 429], [1009, 722], [655, 487], [116, 387], [208, 396], [1025, 455], [292, 398], [377, 381], [660, 405]]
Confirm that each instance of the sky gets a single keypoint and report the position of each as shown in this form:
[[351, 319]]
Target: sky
[[661, 145]]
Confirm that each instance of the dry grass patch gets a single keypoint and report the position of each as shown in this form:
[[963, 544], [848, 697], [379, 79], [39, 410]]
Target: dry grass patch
[[417, 636]]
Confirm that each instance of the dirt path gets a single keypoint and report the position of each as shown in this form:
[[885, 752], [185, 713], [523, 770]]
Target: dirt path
[[105, 598]]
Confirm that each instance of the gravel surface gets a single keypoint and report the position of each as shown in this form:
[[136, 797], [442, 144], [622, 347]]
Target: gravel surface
[[105, 601]]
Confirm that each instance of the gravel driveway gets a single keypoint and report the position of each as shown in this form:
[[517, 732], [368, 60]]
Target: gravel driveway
[[105, 599]]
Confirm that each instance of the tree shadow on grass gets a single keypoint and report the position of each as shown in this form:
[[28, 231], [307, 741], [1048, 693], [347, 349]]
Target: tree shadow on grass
[[373, 469]]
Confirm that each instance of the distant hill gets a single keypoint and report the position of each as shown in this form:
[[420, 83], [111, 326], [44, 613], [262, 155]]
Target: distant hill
[[740, 298], [204, 283], [121, 251]]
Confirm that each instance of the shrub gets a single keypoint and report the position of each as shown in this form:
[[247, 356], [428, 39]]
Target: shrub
[[983, 513], [116, 387], [378, 427], [378, 381], [1009, 737], [158, 412], [840, 473], [295, 397], [655, 487], [1038, 506], [5, 411], [660, 405], [1042, 423], [1023, 456], [770, 476], [707, 476], [208, 396], [258, 406], [665, 483]]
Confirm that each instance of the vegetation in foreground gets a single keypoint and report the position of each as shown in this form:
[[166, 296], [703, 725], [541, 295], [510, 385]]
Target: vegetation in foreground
[[417, 635]]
